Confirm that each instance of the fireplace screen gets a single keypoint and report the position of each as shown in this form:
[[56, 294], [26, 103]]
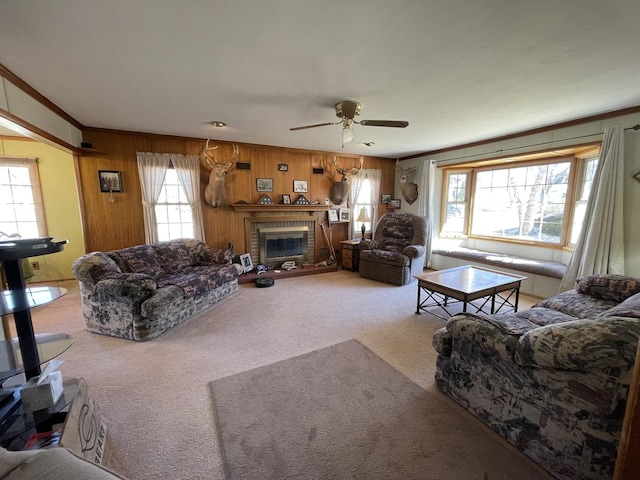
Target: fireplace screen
[[281, 244]]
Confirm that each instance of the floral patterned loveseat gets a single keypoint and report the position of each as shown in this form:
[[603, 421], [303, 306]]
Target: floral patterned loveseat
[[140, 292], [552, 380]]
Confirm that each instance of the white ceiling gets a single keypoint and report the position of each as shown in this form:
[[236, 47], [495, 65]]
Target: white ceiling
[[459, 71]]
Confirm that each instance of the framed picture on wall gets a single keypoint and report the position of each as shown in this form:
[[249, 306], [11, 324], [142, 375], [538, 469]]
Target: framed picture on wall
[[110, 181], [345, 215], [300, 186], [264, 184], [333, 215], [385, 198], [394, 203]]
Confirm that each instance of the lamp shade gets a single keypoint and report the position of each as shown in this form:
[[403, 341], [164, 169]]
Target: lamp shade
[[363, 216]]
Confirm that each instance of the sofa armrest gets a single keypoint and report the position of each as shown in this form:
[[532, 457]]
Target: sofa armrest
[[135, 286], [93, 267], [477, 330], [588, 344], [414, 251]]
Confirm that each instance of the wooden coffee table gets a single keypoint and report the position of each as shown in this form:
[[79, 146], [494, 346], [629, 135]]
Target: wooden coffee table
[[466, 284]]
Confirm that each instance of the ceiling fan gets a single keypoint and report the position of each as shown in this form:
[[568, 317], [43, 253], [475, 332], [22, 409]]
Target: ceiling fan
[[346, 111]]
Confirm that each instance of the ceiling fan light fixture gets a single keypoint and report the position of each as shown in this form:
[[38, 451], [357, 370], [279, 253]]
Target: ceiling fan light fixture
[[347, 134]]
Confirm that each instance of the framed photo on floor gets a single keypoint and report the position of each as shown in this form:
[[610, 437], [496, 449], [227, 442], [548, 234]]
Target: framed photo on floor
[[246, 262], [345, 215], [333, 215]]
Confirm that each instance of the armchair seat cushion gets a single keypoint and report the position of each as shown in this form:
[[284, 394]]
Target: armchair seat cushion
[[386, 257]]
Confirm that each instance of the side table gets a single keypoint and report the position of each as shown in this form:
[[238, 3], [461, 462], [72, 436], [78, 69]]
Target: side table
[[350, 254]]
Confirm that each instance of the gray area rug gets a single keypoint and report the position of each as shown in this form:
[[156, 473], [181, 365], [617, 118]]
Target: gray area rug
[[335, 413]]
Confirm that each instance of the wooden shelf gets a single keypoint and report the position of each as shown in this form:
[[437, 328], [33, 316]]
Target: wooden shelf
[[248, 207]]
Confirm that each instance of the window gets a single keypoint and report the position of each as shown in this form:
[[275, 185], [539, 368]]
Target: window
[[21, 210], [585, 181], [363, 201], [530, 200], [456, 204], [173, 213]]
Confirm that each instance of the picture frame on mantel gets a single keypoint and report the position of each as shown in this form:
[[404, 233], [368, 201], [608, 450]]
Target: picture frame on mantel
[[110, 181]]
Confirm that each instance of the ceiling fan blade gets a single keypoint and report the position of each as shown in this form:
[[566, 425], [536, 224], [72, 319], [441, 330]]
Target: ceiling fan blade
[[384, 123], [314, 126]]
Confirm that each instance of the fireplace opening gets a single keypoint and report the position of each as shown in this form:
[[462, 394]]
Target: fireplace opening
[[282, 244]]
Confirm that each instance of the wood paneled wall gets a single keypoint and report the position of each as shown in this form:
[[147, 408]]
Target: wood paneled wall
[[119, 224]]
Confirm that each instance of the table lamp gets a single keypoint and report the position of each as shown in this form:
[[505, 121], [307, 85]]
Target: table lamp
[[363, 217]]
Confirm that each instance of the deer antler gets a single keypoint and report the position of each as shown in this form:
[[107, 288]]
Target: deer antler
[[405, 170], [209, 160]]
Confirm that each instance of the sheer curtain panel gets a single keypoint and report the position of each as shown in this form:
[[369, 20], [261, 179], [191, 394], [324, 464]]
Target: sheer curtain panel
[[152, 168], [600, 245], [188, 170]]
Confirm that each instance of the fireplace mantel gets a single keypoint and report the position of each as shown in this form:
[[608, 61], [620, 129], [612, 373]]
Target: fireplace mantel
[[248, 207]]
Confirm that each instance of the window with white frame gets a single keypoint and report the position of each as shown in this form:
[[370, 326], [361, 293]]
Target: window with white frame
[[173, 213], [456, 204], [363, 201], [586, 174], [21, 208], [540, 200]]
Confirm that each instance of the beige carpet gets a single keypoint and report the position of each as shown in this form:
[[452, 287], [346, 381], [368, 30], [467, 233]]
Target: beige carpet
[[155, 399]]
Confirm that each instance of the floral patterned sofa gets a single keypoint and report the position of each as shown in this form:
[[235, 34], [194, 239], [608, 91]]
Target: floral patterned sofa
[[140, 292], [553, 379]]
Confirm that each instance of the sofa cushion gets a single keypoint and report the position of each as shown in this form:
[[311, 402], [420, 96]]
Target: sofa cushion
[[141, 259], [629, 308], [172, 256], [616, 288], [198, 280], [211, 256], [576, 304], [592, 344]]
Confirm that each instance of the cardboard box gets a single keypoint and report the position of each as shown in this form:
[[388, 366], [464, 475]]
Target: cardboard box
[[45, 395]]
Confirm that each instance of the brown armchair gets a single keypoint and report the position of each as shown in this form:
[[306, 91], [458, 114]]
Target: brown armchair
[[397, 250]]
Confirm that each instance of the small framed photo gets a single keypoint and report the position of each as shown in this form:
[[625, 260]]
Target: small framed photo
[[394, 203], [300, 186], [385, 198], [283, 167], [110, 181], [345, 215], [286, 199], [333, 215], [246, 262], [264, 184]]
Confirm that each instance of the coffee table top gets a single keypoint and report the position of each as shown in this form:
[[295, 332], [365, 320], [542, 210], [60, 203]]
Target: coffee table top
[[468, 278]]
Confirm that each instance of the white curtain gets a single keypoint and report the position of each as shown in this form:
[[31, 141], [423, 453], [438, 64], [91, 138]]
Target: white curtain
[[188, 170], [375, 177], [152, 168], [600, 245], [427, 202], [356, 184]]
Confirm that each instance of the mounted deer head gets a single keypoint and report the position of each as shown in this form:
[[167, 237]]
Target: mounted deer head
[[339, 192], [215, 194], [408, 189]]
